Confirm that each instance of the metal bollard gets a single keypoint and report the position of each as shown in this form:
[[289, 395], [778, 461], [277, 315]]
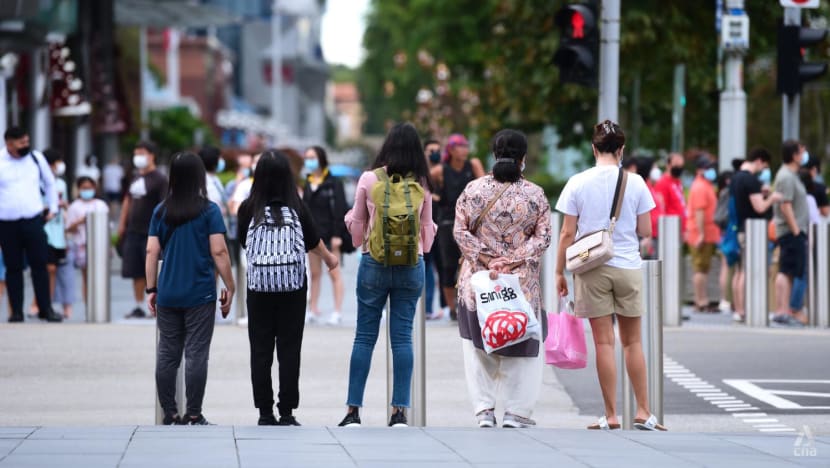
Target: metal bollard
[[756, 270], [820, 309], [652, 338], [418, 391], [550, 295], [180, 382], [98, 267], [241, 313], [669, 250]]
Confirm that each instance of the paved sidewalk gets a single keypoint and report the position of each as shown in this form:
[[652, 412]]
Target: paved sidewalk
[[254, 447]]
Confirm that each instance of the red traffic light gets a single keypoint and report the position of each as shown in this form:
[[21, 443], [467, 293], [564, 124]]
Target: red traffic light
[[577, 21]]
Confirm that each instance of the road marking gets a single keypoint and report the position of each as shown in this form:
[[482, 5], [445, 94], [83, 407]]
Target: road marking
[[726, 402], [773, 397]]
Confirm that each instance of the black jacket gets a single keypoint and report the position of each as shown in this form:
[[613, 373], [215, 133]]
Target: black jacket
[[328, 206]]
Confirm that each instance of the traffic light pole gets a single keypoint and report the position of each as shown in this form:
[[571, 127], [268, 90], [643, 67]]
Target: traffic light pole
[[732, 126], [790, 104], [609, 56]]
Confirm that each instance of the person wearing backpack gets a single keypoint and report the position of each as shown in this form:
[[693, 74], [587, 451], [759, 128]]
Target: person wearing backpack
[[277, 230], [188, 231], [392, 220]]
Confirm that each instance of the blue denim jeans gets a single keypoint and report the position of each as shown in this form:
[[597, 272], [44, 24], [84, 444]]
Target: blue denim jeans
[[402, 286]]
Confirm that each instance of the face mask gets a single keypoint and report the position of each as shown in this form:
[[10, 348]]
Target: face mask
[[676, 172], [312, 164], [805, 158], [765, 176], [24, 151], [246, 172], [60, 169], [435, 157], [220, 166], [655, 174], [140, 161], [87, 194], [523, 166], [710, 174]]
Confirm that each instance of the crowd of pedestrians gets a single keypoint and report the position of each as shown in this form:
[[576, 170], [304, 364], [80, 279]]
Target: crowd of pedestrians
[[418, 213]]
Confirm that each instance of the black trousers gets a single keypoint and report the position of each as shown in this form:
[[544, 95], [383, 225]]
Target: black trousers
[[25, 238], [276, 319], [188, 329]]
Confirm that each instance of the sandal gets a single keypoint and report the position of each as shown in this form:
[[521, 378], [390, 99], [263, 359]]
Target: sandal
[[602, 425], [649, 424]]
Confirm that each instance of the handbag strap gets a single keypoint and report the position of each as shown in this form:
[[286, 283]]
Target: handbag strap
[[619, 192], [480, 219]]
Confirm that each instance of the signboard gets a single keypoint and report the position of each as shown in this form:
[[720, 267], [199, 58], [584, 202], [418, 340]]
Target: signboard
[[800, 3], [735, 32]]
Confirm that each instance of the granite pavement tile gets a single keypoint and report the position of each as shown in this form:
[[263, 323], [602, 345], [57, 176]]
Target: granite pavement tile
[[63, 460], [81, 447]]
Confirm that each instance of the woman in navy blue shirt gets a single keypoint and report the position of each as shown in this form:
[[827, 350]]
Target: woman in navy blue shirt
[[189, 232]]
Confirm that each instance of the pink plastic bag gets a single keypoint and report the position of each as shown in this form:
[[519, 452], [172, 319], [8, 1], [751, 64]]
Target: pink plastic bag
[[565, 345]]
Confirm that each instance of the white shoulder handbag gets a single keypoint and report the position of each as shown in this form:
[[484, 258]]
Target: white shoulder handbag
[[596, 248]]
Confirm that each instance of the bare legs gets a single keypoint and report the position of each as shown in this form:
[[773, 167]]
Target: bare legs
[[603, 332], [701, 295], [316, 267]]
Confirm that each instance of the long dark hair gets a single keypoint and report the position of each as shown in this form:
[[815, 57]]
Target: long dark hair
[[509, 147], [402, 154], [186, 194], [322, 157], [273, 185]]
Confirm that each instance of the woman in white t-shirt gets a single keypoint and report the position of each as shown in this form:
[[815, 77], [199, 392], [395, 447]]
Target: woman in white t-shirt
[[613, 288], [76, 222]]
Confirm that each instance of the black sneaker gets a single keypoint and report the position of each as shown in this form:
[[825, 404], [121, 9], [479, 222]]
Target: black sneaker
[[196, 421], [352, 419], [268, 420], [171, 420], [398, 419], [16, 318], [289, 420], [50, 317], [137, 313]]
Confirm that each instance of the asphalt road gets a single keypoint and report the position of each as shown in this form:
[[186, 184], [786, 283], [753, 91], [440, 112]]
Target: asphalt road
[[725, 371]]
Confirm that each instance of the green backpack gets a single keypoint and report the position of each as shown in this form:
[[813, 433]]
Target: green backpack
[[396, 233]]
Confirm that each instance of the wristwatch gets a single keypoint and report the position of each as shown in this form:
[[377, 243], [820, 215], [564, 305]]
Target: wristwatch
[[151, 290]]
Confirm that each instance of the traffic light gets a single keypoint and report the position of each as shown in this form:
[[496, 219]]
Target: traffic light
[[578, 51], [793, 71]]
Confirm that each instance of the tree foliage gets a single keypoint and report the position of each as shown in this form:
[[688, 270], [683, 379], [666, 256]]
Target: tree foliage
[[499, 53]]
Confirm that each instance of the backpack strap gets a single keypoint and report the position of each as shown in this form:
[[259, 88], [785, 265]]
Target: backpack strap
[[619, 192], [411, 214], [384, 177]]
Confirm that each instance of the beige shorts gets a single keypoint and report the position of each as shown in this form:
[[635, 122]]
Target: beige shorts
[[608, 290]]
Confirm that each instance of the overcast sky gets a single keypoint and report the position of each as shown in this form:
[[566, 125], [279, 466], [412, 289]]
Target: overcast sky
[[343, 25]]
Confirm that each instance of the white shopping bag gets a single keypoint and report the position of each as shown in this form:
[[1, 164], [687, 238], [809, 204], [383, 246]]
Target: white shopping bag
[[504, 314]]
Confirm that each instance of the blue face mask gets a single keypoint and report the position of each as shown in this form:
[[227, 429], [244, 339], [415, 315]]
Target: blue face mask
[[87, 194], [220, 166], [710, 174], [805, 158], [312, 164], [246, 172], [765, 176]]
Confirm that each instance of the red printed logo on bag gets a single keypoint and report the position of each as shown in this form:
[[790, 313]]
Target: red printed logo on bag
[[503, 327]]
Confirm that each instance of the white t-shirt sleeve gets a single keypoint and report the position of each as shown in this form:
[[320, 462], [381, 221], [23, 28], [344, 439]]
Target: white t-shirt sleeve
[[567, 199], [646, 201]]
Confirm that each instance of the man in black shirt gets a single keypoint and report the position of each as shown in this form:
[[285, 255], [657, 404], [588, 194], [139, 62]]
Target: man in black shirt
[[750, 203], [820, 191], [144, 193]]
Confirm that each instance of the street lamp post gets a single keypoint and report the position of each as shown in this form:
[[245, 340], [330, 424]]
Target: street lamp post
[[276, 64]]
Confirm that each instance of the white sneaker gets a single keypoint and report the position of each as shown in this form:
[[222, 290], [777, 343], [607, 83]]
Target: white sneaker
[[334, 319], [311, 319], [725, 306], [486, 418], [516, 421]]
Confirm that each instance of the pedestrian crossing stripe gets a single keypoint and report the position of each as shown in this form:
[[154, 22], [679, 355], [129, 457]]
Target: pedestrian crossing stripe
[[775, 397]]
